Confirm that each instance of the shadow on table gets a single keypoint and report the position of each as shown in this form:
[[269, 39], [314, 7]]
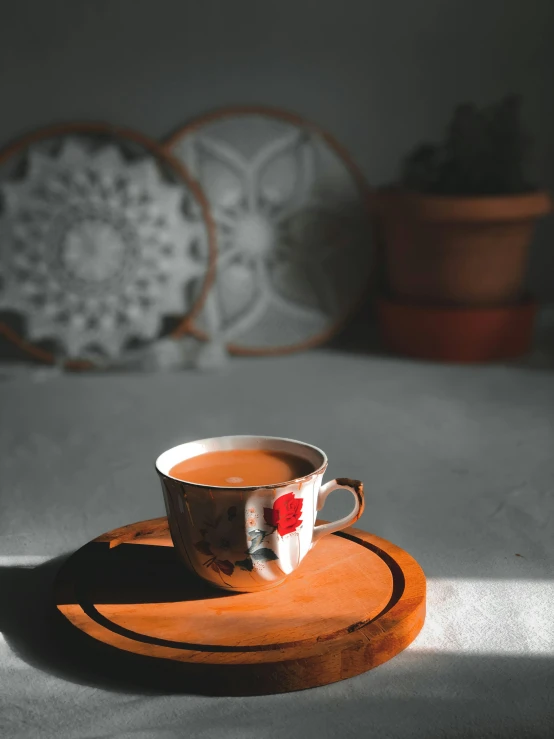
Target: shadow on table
[[42, 637], [129, 574], [455, 695]]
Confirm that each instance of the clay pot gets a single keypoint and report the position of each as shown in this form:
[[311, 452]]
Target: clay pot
[[457, 250], [457, 334]]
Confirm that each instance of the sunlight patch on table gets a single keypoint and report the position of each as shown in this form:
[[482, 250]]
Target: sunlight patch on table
[[22, 560], [488, 617]]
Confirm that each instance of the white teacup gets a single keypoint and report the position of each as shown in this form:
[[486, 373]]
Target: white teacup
[[249, 538]]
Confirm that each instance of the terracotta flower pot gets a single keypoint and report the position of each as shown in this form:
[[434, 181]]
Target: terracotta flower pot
[[458, 250], [457, 334]]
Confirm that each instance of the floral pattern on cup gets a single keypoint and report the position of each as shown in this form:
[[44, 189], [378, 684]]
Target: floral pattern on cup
[[250, 539], [258, 553], [218, 539], [219, 535], [285, 514]]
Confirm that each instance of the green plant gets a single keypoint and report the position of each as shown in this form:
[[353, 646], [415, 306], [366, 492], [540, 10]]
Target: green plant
[[484, 153]]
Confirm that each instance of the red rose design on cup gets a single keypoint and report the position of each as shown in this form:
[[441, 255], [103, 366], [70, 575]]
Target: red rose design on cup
[[285, 514]]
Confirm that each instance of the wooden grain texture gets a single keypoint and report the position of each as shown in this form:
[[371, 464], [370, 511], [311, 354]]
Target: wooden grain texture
[[355, 602]]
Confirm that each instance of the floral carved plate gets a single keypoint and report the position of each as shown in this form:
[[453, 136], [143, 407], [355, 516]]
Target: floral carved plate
[[293, 228], [106, 243]]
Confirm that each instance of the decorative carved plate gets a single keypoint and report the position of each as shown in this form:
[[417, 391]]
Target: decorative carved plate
[[293, 228], [106, 243]]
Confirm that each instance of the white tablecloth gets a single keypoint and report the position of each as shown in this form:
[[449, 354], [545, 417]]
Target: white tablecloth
[[459, 470]]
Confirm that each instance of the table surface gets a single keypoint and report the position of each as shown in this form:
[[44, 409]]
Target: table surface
[[458, 465]]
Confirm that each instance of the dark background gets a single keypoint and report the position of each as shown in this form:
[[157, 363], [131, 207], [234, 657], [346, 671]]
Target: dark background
[[382, 75]]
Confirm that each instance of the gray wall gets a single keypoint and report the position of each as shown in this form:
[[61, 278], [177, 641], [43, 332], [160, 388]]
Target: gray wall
[[380, 74]]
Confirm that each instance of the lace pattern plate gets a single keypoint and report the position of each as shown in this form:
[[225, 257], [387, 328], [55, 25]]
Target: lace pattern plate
[[106, 244], [293, 229]]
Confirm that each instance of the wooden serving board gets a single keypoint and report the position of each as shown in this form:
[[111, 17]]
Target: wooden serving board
[[355, 602]]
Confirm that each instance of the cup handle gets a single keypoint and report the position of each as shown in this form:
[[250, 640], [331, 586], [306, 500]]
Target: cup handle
[[356, 487]]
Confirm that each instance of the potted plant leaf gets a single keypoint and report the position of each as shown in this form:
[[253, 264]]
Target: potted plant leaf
[[456, 235]]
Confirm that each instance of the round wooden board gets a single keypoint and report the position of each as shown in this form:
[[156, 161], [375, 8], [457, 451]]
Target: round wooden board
[[355, 602]]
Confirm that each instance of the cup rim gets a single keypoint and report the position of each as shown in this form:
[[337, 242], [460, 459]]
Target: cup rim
[[319, 470]]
